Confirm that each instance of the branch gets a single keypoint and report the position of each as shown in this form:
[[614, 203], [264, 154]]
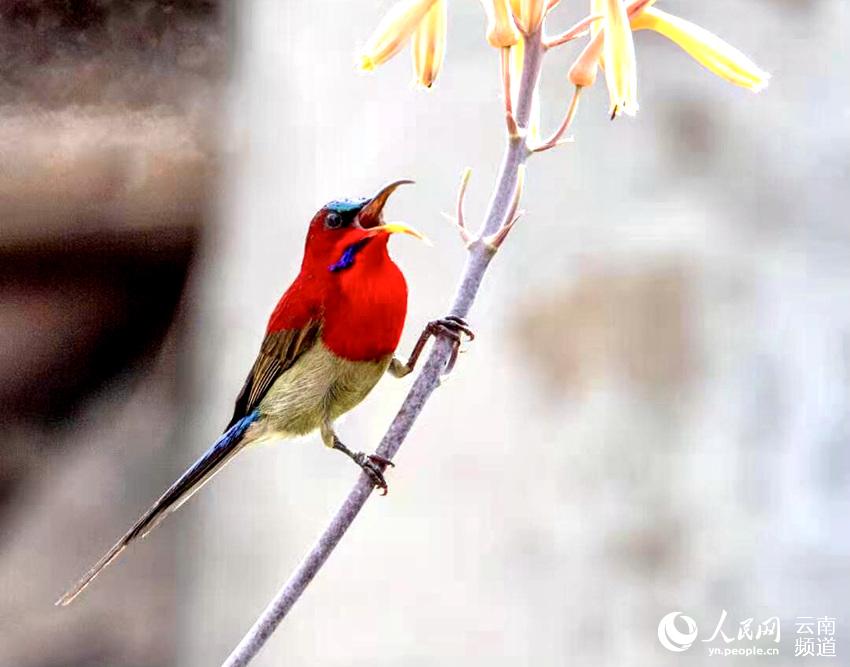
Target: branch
[[428, 379], [459, 220], [578, 30], [556, 138]]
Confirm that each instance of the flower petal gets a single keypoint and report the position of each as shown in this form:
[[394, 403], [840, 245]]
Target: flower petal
[[619, 56], [392, 32], [705, 47], [429, 45]]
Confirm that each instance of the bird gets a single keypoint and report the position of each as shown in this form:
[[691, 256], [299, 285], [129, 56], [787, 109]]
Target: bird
[[329, 340]]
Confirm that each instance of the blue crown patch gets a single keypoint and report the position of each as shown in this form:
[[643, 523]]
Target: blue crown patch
[[347, 205]]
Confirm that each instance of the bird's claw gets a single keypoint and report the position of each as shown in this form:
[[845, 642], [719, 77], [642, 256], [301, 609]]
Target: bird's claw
[[374, 465], [455, 325], [453, 328]]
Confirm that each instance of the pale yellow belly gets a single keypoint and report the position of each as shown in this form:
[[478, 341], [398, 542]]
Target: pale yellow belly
[[319, 386]]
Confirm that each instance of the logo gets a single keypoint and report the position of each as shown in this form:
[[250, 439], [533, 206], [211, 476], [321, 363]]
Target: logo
[[671, 637], [815, 636]]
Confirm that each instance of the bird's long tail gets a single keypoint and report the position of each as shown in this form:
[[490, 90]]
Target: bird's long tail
[[213, 460]]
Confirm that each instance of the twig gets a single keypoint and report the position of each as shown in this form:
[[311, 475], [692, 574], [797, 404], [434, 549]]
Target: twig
[[578, 30], [494, 241], [555, 139], [478, 259], [459, 220]]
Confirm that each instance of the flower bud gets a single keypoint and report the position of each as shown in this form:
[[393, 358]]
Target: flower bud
[[501, 29], [583, 71]]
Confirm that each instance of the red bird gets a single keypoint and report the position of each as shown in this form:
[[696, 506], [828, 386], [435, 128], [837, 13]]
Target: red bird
[[330, 339]]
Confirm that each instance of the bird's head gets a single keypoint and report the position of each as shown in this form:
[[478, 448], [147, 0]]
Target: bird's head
[[347, 231]]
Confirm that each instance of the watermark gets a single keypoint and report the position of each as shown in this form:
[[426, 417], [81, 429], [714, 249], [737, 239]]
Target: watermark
[[814, 635], [674, 639]]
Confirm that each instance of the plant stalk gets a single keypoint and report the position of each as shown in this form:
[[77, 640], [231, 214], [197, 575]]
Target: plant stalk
[[515, 155]]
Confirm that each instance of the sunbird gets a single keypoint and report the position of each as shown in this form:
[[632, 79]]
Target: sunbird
[[331, 337]]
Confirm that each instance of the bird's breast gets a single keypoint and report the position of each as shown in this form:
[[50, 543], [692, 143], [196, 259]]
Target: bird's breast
[[319, 385], [364, 315]]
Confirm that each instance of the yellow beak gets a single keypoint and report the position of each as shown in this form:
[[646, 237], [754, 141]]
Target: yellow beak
[[397, 228], [372, 212]]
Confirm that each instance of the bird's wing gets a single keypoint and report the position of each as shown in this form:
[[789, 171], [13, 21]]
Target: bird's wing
[[278, 352]]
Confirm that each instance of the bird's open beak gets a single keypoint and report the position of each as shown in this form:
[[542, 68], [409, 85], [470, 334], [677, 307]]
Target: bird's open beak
[[371, 215], [395, 228]]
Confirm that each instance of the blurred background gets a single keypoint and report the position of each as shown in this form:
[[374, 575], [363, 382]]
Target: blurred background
[[654, 416]]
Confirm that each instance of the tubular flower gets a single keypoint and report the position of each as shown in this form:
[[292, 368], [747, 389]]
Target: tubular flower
[[618, 52], [501, 29], [528, 14], [706, 48], [429, 45], [397, 26]]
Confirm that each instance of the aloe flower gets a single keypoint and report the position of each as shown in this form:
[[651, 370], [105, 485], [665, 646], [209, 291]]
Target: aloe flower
[[429, 45], [611, 24], [619, 56], [705, 47], [611, 45], [424, 22], [397, 26]]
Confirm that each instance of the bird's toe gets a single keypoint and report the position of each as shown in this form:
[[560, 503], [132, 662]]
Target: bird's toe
[[373, 465]]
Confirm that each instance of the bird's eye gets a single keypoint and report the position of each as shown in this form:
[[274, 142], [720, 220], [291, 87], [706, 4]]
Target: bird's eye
[[333, 221]]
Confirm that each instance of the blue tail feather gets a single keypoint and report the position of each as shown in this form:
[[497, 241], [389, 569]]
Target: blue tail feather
[[189, 482]]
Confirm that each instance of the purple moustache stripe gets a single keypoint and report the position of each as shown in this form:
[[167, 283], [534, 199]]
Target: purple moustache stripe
[[347, 259]]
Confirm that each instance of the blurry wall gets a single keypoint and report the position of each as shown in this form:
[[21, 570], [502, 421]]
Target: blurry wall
[[108, 113], [653, 416]]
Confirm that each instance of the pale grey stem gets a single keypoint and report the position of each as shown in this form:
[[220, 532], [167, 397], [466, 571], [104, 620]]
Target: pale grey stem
[[516, 153]]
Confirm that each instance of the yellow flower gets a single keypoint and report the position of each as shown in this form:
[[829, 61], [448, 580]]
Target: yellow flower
[[611, 46], [618, 53], [706, 48], [397, 26], [529, 14], [429, 45], [501, 29]]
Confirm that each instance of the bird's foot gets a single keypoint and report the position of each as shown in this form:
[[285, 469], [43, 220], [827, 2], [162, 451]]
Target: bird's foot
[[373, 465], [454, 328]]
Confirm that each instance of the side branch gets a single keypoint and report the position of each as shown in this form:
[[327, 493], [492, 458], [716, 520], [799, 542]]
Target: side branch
[[557, 138], [500, 213]]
